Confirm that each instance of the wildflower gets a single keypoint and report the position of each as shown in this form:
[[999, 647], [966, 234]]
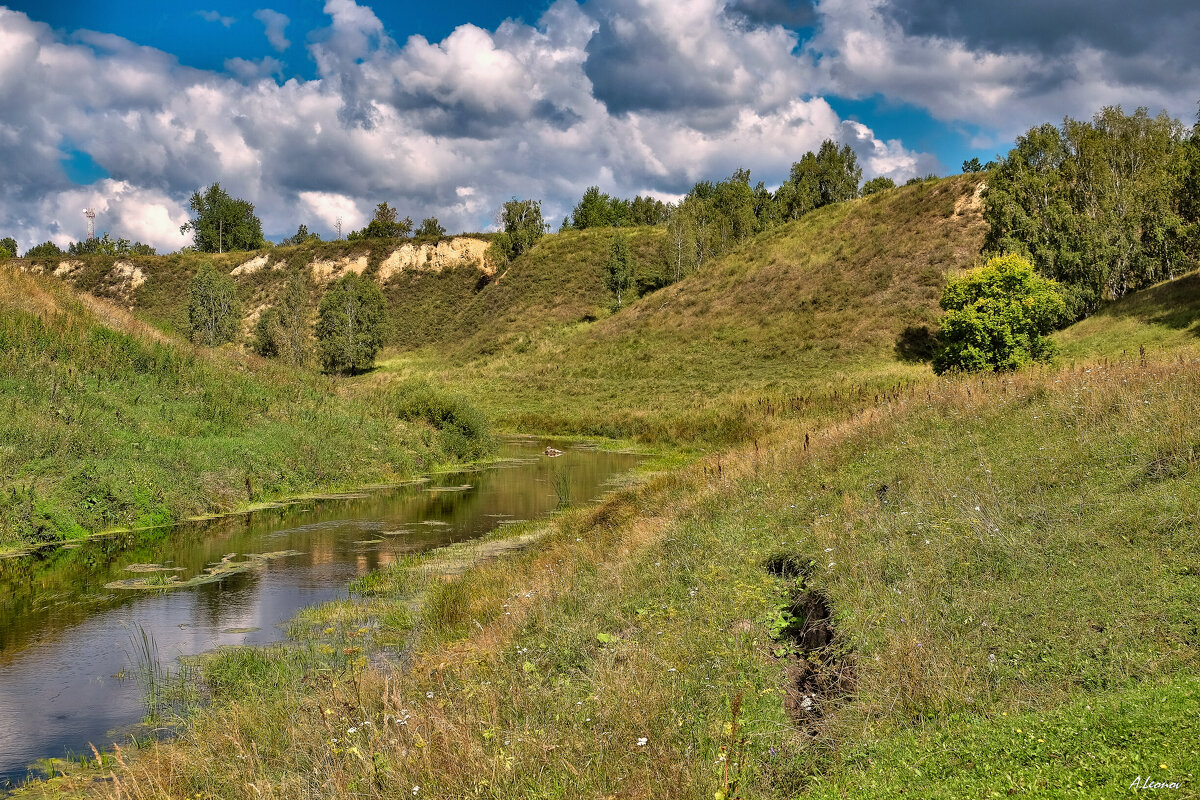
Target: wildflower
[[351, 730], [416, 789], [642, 742], [429, 695]]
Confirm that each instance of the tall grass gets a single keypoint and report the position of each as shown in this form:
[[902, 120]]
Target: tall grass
[[109, 424]]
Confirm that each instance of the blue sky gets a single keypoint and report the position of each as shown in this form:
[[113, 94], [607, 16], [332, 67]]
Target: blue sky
[[319, 109]]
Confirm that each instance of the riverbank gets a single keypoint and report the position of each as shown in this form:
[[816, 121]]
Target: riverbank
[[669, 637], [110, 424]]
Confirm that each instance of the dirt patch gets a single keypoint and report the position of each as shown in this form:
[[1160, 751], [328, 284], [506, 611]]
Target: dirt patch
[[818, 668], [128, 274], [971, 203], [436, 257], [326, 270], [252, 266]]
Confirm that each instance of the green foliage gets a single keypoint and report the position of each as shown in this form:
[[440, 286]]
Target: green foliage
[[597, 210], [878, 184], [997, 317], [9, 245], [679, 246], [302, 237], [522, 226], [463, 430], [44, 250], [619, 271], [384, 226], [972, 165], [214, 313], [222, 223], [110, 247], [1099, 206], [831, 175], [351, 322], [282, 331], [5, 253], [430, 229]]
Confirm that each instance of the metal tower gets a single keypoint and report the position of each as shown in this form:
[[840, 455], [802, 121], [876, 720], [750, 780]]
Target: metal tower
[[90, 213]]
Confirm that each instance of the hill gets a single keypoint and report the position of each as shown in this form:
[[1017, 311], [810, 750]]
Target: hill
[[839, 301], [111, 423]]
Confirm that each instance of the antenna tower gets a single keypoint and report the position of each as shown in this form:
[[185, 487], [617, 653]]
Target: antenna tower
[[90, 213], [338, 224]]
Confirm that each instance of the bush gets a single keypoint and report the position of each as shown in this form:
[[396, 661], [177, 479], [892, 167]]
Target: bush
[[997, 317], [463, 429], [350, 324], [214, 313], [44, 250]]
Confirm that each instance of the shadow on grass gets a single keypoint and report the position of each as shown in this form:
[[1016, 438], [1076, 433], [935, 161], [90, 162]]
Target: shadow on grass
[[916, 344]]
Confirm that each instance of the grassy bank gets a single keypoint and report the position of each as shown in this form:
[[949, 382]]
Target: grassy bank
[[109, 423], [1010, 577]]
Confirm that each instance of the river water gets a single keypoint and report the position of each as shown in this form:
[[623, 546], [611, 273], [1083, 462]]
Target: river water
[[67, 642]]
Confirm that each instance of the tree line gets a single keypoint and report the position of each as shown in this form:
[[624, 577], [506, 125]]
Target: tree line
[[1104, 207]]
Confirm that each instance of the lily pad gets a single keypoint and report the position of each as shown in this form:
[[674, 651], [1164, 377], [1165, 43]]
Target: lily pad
[[213, 573]]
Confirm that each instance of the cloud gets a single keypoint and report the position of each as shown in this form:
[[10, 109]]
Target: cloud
[[275, 24], [248, 70], [448, 128], [788, 13], [215, 16], [688, 56], [1008, 66]]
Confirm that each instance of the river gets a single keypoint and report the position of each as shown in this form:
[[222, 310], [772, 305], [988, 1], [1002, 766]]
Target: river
[[67, 641]]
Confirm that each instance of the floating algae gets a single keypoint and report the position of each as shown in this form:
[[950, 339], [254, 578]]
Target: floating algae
[[368, 541], [151, 568], [434, 522], [212, 573], [443, 489]]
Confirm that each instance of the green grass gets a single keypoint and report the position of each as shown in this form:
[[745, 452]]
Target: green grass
[[1009, 562], [109, 424], [801, 312]]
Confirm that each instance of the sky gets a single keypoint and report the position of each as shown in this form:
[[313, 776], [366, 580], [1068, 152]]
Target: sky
[[315, 110]]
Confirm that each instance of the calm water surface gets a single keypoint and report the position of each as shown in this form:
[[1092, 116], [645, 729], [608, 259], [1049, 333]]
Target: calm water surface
[[64, 637]]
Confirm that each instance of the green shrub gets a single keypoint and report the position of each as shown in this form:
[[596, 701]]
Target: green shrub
[[213, 309], [997, 317], [351, 324], [463, 429]]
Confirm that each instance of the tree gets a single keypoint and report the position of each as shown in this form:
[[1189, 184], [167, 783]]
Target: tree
[[430, 229], [222, 223], [997, 317], [838, 173], [972, 165], [384, 225], [9, 245], [876, 185], [680, 243], [282, 330], [302, 237], [522, 226], [44, 250], [620, 268], [106, 246], [1094, 205], [350, 324], [213, 309]]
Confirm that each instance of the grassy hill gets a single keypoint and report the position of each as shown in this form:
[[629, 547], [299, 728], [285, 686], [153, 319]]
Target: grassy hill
[[108, 423], [878, 583], [967, 588], [839, 301]]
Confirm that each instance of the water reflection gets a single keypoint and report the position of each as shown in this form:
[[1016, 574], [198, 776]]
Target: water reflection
[[64, 636]]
